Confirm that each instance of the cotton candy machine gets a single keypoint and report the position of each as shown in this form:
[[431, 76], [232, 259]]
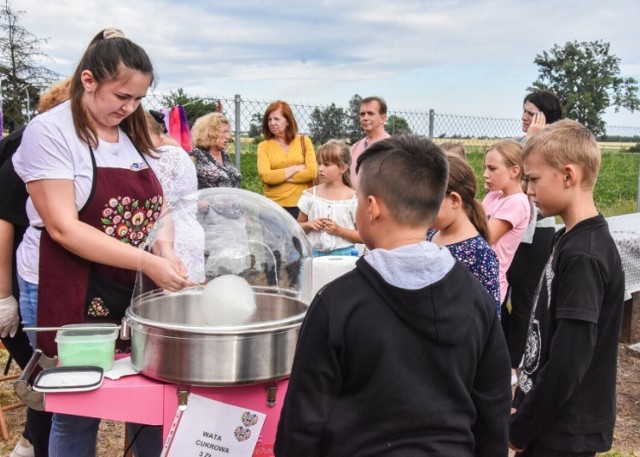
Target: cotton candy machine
[[182, 337]]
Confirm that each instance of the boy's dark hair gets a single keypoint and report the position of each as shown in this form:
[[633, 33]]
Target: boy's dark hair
[[409, 174]]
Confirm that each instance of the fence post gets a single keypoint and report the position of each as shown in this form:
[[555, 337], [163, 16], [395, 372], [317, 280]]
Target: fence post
[[238, 148], [638, 192], [432, 115]]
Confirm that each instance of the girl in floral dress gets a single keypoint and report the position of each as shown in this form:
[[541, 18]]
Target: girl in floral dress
[[461, 225]]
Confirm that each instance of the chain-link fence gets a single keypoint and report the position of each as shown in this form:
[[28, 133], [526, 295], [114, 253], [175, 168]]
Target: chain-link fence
[[245, 116]]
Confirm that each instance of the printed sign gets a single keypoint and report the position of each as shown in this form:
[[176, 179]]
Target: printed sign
[[209, 428]]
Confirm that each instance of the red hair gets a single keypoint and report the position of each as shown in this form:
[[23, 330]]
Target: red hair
[[292, 126]]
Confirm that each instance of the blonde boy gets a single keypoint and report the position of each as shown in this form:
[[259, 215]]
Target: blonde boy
[[404, 355], [565, 403]]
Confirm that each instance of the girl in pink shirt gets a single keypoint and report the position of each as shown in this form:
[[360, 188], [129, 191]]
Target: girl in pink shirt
[[506, 205]]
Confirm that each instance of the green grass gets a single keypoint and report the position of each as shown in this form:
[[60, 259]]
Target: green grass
[[616, 188], [615, 191], [617, 184], [248, 167]]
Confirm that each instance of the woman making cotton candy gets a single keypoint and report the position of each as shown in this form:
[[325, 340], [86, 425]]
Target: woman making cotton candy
[[93, 200]]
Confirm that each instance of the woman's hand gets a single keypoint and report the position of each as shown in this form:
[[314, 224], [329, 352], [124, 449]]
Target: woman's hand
[[9, 317], [537, 123], [203, 206], [291, 171], [178, 264], [169, 274]]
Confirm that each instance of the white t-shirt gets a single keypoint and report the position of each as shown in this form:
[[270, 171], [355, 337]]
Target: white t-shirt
[[50, 149], [343, 212]]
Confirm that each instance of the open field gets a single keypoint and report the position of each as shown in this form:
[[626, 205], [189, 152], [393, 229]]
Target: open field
[[479, 145], [616, 188], [615, 193]]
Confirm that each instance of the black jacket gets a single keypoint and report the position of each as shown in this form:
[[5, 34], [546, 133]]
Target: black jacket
[[384, 371]]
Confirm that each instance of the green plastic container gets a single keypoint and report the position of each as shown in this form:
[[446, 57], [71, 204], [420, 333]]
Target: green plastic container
[[80, 346]]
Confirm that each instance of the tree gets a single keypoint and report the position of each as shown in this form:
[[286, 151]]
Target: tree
[[194, 107], [397, 125], [586, 78], [353, 130], [255, 126], [21, 74], [327, 123]]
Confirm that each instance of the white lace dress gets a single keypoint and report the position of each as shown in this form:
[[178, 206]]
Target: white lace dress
[[177, 175], [343, 212]]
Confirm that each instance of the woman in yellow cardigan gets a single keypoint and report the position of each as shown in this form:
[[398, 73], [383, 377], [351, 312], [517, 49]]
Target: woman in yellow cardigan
[[286, 161]]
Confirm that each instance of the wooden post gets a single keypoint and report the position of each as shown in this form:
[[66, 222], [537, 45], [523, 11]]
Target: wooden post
[[627, 331]]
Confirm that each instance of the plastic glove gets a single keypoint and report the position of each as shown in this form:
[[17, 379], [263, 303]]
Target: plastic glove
[[9, 317]]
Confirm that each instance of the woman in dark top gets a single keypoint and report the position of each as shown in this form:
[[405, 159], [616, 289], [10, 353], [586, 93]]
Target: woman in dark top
[[539, 108], [210, 135]]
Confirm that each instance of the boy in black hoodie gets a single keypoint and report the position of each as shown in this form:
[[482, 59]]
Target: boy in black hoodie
[[404, 355]]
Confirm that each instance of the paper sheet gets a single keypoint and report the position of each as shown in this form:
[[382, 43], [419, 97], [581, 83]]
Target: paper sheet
[[121, 367], [208, 428]]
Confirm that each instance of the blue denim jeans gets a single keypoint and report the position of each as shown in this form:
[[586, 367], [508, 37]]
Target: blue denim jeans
[[29, 307], [76, 436], [73, 436]]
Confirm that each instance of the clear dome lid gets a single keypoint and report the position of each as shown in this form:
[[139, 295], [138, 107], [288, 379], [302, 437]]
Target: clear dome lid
[[226, 231]]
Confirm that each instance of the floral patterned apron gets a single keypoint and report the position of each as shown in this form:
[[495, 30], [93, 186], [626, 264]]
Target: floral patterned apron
[[123, 203]]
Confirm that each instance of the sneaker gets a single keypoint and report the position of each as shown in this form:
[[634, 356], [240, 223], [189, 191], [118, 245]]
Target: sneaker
[[23, 449]]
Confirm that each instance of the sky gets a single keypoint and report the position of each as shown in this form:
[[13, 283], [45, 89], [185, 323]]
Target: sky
[[466, 57]]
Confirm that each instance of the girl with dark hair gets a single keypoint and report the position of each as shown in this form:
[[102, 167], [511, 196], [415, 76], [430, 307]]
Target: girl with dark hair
[[286, 160], [92, 201], [462, 227]]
